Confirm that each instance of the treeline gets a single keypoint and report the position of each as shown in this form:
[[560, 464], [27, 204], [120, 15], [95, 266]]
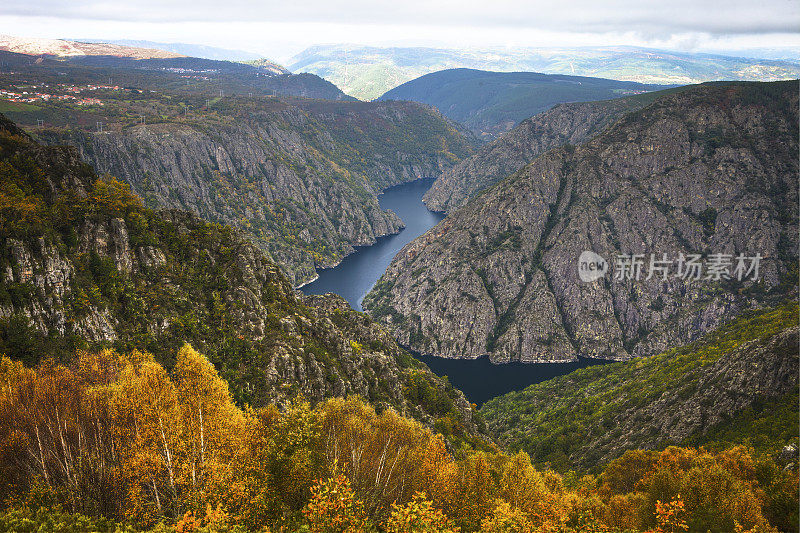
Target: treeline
[[114, 442]]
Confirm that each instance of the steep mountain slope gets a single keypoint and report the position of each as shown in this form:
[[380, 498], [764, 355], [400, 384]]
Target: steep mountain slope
[[593, 415], [712, 169], [85, 265], [571, 123], [367, 72], [299, 177], [491, 103]]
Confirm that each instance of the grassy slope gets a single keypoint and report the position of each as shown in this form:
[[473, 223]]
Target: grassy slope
[[552, 419]]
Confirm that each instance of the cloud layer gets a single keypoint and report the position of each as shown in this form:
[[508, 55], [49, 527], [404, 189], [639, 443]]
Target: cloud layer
[[282, 28], [735, 16]]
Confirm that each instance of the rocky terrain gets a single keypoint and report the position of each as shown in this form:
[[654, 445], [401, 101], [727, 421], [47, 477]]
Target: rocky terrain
[[85, 265], [299, 177], [694, 394], [712, 169], [571, 123]]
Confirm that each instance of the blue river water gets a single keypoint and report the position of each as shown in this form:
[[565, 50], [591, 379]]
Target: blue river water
[[353, 278], [357, 274]]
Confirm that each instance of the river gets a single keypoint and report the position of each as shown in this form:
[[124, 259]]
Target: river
[[358, 272]]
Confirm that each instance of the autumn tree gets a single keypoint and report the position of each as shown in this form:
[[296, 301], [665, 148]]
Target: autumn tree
[[211, 426], [334, 508], [418, 516]]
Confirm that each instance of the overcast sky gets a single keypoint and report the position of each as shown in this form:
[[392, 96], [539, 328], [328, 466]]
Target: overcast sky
[[281, 29]]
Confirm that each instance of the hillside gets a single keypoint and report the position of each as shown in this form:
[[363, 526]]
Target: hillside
[[157, 447], [563, 124], [189, 49], [164, 72], [299, 176], [708, 170], [64, 48], [491, 103], [698, 393], [86, 266], [367, 72]]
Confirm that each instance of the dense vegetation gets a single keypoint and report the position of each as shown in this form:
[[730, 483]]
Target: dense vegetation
[[115, 436], [574, 420], [86, 266]]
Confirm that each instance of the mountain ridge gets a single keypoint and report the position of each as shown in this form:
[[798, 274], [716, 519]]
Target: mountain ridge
[[704, 170], [491, 103], [651, 403], [566, 123], [367, 72]]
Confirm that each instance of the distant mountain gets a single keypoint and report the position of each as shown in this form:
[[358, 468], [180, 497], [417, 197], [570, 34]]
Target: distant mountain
[[491, 103], [711, 169], [193, 50], [266, 64], [186, 74], [368, 72], [133, 49], [64, 48]]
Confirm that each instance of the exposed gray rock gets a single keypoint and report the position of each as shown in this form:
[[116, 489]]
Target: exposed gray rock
[[92, 277], [571, 123], [292, 176], [710, 169]]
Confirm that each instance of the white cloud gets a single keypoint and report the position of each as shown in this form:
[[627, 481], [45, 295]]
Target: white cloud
[[280, 29]]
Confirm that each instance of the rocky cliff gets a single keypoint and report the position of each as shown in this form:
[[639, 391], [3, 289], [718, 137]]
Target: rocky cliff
[[299, 177], [571, 123], [709, 170], [691, 394], [85, 265]]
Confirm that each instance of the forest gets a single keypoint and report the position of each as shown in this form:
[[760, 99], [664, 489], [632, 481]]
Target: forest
[[115, 442]]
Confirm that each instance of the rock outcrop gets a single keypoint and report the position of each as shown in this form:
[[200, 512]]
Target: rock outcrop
[[571, 123], [712, 169], [85, 265], [292, 175]]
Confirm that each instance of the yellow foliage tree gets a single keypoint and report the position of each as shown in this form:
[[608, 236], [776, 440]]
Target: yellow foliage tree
[[506, 519], [418, 516], [334, 508], [211, 426]]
